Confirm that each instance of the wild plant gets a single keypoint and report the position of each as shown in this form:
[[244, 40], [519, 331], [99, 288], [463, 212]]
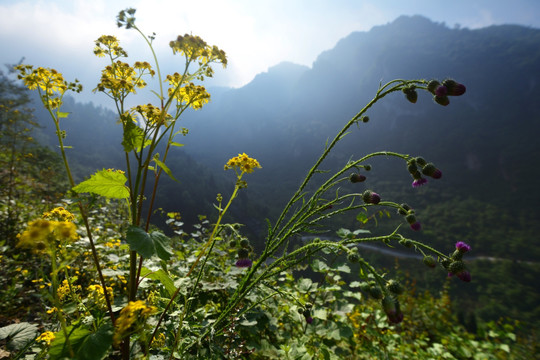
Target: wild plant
[[160, 302]]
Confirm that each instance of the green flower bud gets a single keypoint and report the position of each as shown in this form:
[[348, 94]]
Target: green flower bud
[[420, 161], [446, 263], [367, 167], [456, 267], [244, 243], [441, 100], [411, 167], [429, 261], [376, 292], [353, 257], [406, 242], [411, 218], [433, 85], [233, 243], [354, 178], [394, 287], [243, 253], [365, 119]]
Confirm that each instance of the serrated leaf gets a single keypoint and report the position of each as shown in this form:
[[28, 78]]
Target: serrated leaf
[[106, 183], [164, 167], [18, 335], [134, 137]]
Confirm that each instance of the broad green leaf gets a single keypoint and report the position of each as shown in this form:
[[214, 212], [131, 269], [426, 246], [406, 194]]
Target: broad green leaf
[[147, 245], [18, 335], [162, 277], [86, 345], [108, 183], [344, 268], [320, 314], [140, 241], [134, 137], [162, 165], [96, 345], [62, 114], [161, 244]]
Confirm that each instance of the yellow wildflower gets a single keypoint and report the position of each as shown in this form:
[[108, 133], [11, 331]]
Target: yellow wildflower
[[98, 296], [188, 94], [47, 337], [152, 114], [243, 163], [133, 314], [59, 213]]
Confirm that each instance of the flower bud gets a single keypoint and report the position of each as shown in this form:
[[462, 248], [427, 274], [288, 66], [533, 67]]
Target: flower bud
[[392, 310], [353, 257], [446, 263], [464, 276], [233, 243], [243, 253], [454, 88], [367, 167], [462, 247], [411, 167], [441, 91], [416, 226], [441, 100], [430, 170], [376, 292], [244, 243], [410, 93], [429, 261], [394, 287], [432, 85], [419, 182], [365, 119], [420, 161], [354, 178], [406, 242], [411, 218], [456, 267], [371, 197]]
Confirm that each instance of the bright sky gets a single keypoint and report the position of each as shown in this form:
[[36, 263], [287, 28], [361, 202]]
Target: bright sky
[[255, 34]]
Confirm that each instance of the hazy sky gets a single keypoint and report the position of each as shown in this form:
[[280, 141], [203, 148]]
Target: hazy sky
[[255, 34]]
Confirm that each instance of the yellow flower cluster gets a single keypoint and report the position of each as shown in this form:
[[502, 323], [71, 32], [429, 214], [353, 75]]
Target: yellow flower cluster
[[109, 45], [66, 289], [49, 82], [47, 337], [136, 312], [158, 342], [189, 94], [113, 243], [152, 114], [41, 233], [119, 79], [60, 214], [195, 48], [98, 295], [243, 163]]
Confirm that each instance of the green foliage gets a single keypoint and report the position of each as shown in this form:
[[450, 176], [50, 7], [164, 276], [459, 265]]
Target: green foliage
[[107, 183], [211, 293]]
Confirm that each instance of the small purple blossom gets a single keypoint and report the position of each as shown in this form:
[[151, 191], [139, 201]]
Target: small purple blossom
[[464, 276], [392, 310], [309, 319], [371, 197], [419, 182], [441, 90], [463, 247], [244, 262], [416, 226]]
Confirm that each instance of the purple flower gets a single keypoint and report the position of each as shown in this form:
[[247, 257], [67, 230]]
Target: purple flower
[[309, 319], [416, 226], [392, 310], [430, 170], [244, 262], [441, 91], [371, 197], [464, 276], [454, 88], [419, 182], [463, 247], [354, 178]]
